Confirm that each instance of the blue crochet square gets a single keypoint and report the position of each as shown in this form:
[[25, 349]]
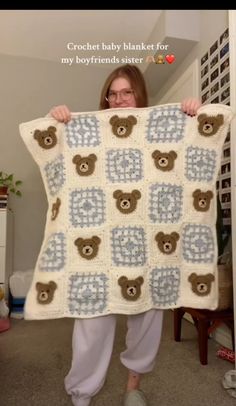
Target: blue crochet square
[[198, 243], [54, 253], [124, 165], [166, 201], [200, 164], [55, 174], [128, 246], [87, 207], [87, 294], [83, 131], [166, 124], [164, 286]]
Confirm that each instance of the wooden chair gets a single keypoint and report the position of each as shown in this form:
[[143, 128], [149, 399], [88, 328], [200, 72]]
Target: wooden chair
[[205, 321]]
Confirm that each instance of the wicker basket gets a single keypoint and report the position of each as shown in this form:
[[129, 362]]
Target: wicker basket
[[225, 287]]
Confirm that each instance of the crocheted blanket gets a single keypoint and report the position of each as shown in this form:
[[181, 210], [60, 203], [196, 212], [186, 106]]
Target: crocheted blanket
[[131, 222]]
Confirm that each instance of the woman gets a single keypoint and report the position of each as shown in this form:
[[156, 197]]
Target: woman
[[93, 338]]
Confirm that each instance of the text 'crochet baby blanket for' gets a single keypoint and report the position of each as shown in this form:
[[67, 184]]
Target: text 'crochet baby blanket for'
[[131, 223]]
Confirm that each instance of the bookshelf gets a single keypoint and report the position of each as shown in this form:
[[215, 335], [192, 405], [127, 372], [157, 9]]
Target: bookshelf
[[6, 246]]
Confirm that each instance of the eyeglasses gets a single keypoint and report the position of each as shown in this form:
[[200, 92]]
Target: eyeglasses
[[125, 95]]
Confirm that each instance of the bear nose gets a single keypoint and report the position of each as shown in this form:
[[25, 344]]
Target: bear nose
[[131, 291], [84, 167], [48, 140]]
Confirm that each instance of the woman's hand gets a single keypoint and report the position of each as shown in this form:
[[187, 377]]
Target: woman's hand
[[190, 106], [61, 113]]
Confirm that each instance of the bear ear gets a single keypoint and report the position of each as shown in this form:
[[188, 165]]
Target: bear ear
[[175, 235], [117, 193], [140, 280], [122, 280], [201, 117], [93, 157], [156, 153], [196, 192], [220, 119], [113, 119], [96, 239], [136, 193], [209, 194], [52, 129], [78, 242], [37, 134], [159, 235], [173, 154], [132, 120], [38, 285], [53, 285], [76, 159], [192, 277], [210, 277]]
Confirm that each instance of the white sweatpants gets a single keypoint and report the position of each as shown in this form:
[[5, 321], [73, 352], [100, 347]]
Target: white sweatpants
[[92, 346]]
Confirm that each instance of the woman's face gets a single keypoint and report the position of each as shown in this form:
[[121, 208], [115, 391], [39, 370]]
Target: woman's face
[[121, 94]]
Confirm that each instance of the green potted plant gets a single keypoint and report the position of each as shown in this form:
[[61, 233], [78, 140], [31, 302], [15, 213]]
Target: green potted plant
[[9, 184]]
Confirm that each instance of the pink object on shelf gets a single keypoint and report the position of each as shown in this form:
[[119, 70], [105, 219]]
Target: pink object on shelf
[[4, 324]]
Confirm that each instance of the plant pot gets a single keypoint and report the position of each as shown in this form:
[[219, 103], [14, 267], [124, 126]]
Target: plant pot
[[3, 190]]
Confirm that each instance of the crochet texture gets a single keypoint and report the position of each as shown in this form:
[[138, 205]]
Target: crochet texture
[[131, 210]]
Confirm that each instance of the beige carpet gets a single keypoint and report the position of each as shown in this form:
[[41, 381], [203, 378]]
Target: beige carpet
[[35, 356]]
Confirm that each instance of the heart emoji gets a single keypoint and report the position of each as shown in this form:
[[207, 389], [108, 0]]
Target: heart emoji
[[170, 58]]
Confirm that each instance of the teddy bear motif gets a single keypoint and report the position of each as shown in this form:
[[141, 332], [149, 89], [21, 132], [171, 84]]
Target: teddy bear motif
[[45, 292], [126, 202], [130, 288], [122, 126], [201, 284], [202, 200], [55, 209], [167, 243], [164, 160], [88, 247], [46, 139], [85, 166], [160, 59], [209, 125]]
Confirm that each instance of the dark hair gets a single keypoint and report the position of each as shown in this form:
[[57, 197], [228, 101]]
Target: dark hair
[[137, 82]]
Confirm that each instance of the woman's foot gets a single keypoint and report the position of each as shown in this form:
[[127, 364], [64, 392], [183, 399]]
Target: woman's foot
[[133, 381]]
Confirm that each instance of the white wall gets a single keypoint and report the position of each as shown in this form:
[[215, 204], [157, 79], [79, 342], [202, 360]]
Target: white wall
[[212, 24]]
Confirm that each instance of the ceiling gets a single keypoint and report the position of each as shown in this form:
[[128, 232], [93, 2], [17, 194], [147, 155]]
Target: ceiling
[[45, 34], [48, 35]]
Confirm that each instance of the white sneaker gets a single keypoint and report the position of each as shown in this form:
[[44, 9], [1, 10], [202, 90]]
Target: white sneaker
[[135, 398]]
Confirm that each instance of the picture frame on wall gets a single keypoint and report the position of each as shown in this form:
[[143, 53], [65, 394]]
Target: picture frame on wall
[[215, 88]]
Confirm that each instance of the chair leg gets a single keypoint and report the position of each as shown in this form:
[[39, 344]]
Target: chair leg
[[203, 340], [178, 315]]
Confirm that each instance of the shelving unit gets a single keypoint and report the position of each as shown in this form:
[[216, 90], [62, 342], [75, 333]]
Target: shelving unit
[[215, 88], [6, 248]]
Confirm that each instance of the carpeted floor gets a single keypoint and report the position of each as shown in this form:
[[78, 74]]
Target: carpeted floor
[[35, 356]]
